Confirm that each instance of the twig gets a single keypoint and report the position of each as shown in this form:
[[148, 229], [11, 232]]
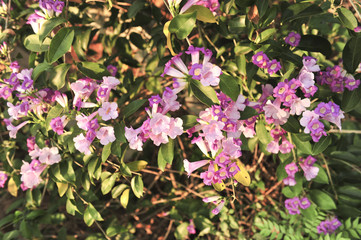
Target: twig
[[212, 44], [356, 10], [344, 131], [7, 14], [169, 228], [329, 176], [102, 230]]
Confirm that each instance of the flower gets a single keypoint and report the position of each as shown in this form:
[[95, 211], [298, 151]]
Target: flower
[[260, 59], [217, 210], [328, 226], [14, 129], [190, 167], [293, 39], [108, 111], [273, 66], [304, 203], [49, 156], [3, 178], [57, 124], [106, 135], [191, 228], [82, 144], [292, 205], [30, 174]]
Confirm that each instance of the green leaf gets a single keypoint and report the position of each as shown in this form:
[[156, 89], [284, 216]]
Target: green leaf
[[262, 6], [57, 76], [314, 43], [91, 215], [206, 95], [106, 151], [39, 69], [60, 44], [203, 13], [137, 186], [136, 166], [347, 18], [137, 40], [262, 133], [182, 25], [300, 10], [248, 112], [350, 191], [292, 125], [33, 43], [124, 199], [189, 121], [135, 8], [93, 70], [116, 191], [124, 169], [304, 147], [350, 99], [108, 183], [133, 106], [48, 26], [229, 86], [321, 176], [66, 169], [166, 154], [62, 188], [322, 199], [265, 35], [321, 145], [237, 24], [351, 54]]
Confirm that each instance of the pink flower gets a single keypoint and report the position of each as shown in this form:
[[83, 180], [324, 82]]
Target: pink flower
[[159, 123], [290, 181], [213, 131], [307, 117], [82, 144], [82, 120], [108, 111], [291, 169], [175, 127], [211, 199], [36, 20], [190, 167], [231, 148], [285, 146], [273, 147], [310, 64], [135, 142], [30, 176], [57, 124], [306, 78], [299, 105], [14, 129], [191, 228], [3, 178], [217, 210], [274, 111], [49, 156], [106, 135]]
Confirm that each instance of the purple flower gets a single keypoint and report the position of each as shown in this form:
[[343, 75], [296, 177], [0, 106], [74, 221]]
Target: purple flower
[[57, 124], [222, 160], [292, 205], [281, 90], [323, 109], [291, 169], [273, 66], [190, 167], [293, 39], [351, 84], [216, 210], [357, 29], [30, 143], [304, 203], [112, 69], [191, 228], [285, 146], [232, 169], [328, 226], [260, 59]]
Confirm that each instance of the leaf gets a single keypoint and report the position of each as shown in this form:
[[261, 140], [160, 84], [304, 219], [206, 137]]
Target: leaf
[[322, 199], [48, 26], [124, 169], [242, 176], [265, 35], [351, 191], [304, 147], [350, 99], [93, 70], [108, 183], [262, 133], [67, 171], [106, 152], [183, 24], [314, 43], [321, 145], [351, 54], [116, 191], [300, 10], [347, 18], [189, 121], [203, 13], [136, 166], [135, 8], [292, 125], [39, 69], [137, 186], [57, 76], [237, 24], [33, 43], [248, 112], [206, 95], [91, 215], [229, 86], [321, 176], [166, 154], [62, 188], [168, 36], [125, 198], [60, 44], [133, 106], [12, 188], [262, 6], [219, 186]]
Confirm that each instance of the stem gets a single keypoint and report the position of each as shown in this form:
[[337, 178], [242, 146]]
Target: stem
[[329, 176], [102, 230], [212, 44], [344, 131], [7, 15], [293, 150]]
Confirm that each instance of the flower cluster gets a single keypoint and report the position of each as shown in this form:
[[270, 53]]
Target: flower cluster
[[261, 60], [158, 126], [213, 5], [324, 111], [204, 71], [41, 158], [293, 205], [329, 226], [293, 39], [337, 79], [50, 8], [274, 147], [309, 171]]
